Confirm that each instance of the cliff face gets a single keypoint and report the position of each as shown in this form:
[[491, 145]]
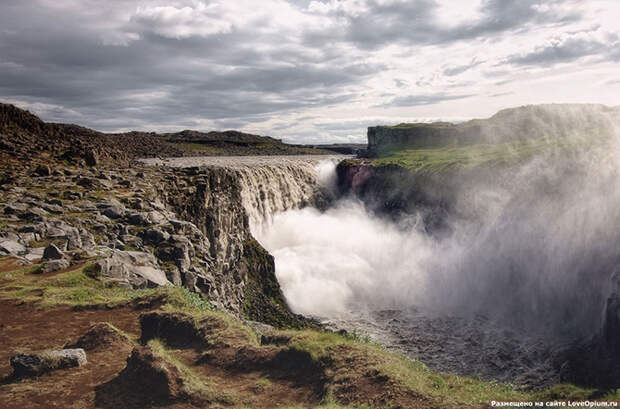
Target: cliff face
[[533, 122], [226, 204]]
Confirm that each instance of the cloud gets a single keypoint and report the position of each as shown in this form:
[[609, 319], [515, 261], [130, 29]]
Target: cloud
[[215, 64], [374, 23], [570, 47], [459, 69], [417, 100]]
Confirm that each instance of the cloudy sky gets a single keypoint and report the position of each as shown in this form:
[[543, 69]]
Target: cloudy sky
[[305, 71]]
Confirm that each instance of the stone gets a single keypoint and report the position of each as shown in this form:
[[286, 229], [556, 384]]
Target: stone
[[55, 265], [91, 158], [15, 208], [34, 254], [125, 183], [43, 170], [53, 208], [138, 219], [133, 268], [12, 247], [155, 236], [29, 365], [86, 182], [156, 217], [115, 212], [52, 252], [33, 214]]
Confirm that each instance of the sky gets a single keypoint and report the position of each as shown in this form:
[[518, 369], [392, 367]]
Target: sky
[[304, 71]]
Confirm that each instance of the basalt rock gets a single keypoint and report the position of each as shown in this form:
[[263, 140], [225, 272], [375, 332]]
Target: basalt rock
[[28, 365]]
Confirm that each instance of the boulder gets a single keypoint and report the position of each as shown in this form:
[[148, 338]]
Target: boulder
[[115, 212], [43, 170], [12, 247], [55, 265], [86, 182], [155, 236], [28, 365], [52, 252], [138, 219], [132, 269]]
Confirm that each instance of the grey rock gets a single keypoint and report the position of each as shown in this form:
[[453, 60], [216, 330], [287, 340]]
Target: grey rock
[[12, 247], [52, 252], [155, 236], [88, 240], [115, 212], [87, 182], [71, 195], [138, 219], [34, 254], [156, 217], [15, 208], [55, 265], [53, 208], [34, 214], [31, 228], [43, 170], [132, 269], [125, 183], [28, 365], [99, 218], [74, 240]]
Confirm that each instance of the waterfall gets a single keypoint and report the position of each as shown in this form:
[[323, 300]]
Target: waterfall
[[276, 186]]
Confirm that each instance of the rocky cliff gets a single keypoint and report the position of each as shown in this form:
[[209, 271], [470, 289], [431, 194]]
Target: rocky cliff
[[226, 203], [152, 226]]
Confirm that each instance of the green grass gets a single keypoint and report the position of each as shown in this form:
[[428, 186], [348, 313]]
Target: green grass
[[466, 157], [437, 160], [79, 287], [451, 390]]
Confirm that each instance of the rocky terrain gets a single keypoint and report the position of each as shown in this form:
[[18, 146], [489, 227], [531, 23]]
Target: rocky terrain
[[24, 135]]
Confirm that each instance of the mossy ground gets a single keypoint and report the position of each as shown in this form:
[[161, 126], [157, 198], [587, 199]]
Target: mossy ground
[[467, 157]]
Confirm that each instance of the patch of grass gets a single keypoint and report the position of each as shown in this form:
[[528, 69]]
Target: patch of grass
[[438, 160], [47, 242], [565, 391], [198, 147], [451, 390], [191, 382]]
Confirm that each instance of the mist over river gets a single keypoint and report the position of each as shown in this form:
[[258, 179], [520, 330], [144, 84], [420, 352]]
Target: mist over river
[[525, 270]]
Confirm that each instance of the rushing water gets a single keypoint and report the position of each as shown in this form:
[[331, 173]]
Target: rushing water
[[498, 298]]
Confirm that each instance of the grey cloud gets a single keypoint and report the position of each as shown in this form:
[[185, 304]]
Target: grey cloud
[[561, 52], [417, 100], [156, 82], [459, 69], [415, 22]]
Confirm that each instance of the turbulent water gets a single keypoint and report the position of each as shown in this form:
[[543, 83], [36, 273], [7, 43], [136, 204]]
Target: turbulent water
[[525, 272]]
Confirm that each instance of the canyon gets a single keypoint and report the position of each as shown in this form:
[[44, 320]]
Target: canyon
[[486, 258]]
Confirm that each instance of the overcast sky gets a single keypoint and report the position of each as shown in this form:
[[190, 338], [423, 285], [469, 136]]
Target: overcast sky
[[305, 71]]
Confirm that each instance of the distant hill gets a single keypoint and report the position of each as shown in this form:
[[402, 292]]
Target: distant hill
[[24, 136], [530, 123]]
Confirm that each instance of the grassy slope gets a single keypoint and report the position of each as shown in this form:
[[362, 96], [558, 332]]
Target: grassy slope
[[466, 157], [345, 356]]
